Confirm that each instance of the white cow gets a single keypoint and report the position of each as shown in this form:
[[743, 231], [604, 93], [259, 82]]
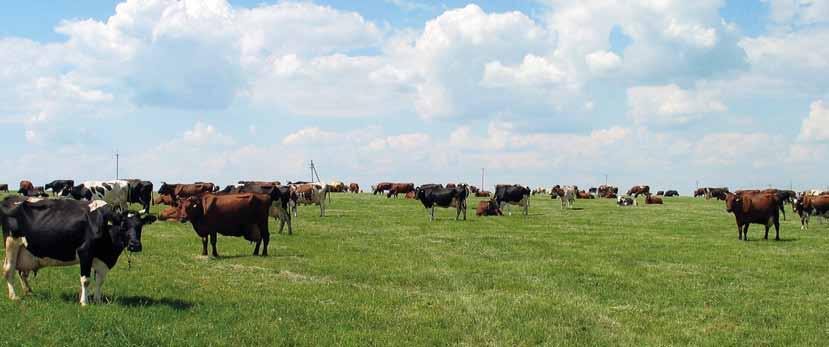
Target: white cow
[[115, 193]]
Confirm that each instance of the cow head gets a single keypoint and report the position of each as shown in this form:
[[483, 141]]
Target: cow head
[[189, 209], [131, 226], [165, 189], [733, 202]]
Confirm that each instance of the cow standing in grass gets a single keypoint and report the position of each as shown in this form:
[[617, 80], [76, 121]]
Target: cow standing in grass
[[807, 206], [566, 194], [241, 215], [758, 208], [444, 197], [506, 194]]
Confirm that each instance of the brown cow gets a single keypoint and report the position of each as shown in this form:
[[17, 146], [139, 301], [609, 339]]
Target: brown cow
[[699, 192], [584, 195], [244, 215], [473, 189], [169, 214], [164, 199], [806, 206], [354, 188], [652, 200], [754, 208], [451, 185], [381, 188], [483, 194], [25, 188], [309, 194], [183, 191], [608, 192], [639, 190], [488, 208], [400, 188], [411, 195]]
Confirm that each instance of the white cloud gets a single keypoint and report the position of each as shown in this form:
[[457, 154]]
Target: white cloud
[[670, 104], [601, 62], [533, 71], [801, 12], [816, 126]]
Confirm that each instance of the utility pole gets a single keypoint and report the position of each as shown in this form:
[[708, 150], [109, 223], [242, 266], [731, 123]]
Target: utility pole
[[117, 164], [314, 173], [482, 179], [605, 179]]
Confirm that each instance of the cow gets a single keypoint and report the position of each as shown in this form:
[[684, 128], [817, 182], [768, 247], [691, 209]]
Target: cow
[[512, 195], [451, 185], [281, 198], [354, 188], [40, 233], [181, 191], [566, 194], [539, 190], [141, 192], [411, 195], [606, 191], [625, 201], [584, 195], [781, 197], [309, 194], [444, 197], [240, 215], [761, 208], [473, 189], [806, 206], [488, 208], [60, 187], [652, 200], [699, 192], [164, 200], [671, 193], [593, 190], [718, 193], [169, 214], [25, 188], [609, 195], [38, 191], [115, 193], [483, 194], [660, 193], [337, 187], [635, 191], [4, 188], [381, 188], [400, 188]]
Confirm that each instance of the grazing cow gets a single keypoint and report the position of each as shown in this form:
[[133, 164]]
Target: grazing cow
[[40, 233], [584, 195], [758, 208], [141, 192], [483, 194], [608, 192], [281, 198], [244, 215], [4, 188], [182, 191], [488, 208], [807, 206], [400, 188], [381, 188], [718, 193], [513, 195], [635, 191], [652, 200], [26, 187], [411, 195], [443, 197], [354, 188], [625, 201], [337, 187], [309, 194], [566, 194], [671, 193], [60, 187], [114, 193]]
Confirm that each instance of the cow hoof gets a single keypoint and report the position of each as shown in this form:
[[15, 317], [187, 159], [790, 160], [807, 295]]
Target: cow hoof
[[14, 297]]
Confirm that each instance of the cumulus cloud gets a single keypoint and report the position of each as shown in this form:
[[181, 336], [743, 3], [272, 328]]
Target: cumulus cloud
[[816, 126], [670, 104], [601, 62]]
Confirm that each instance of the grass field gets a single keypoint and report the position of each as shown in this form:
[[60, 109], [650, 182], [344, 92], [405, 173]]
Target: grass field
[[377, 272]]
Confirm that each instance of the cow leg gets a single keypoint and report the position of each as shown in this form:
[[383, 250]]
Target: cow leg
[[86, 271], [432, 214], [777, 229], [266, 238], [101, 271], [213, 244], [464, 209], [739, 231], [24, 282], [204, 245], [766, 237], [13, 246], [745, 232], [458, 213]]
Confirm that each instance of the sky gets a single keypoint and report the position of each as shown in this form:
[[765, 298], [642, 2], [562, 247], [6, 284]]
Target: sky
[[668, 93]]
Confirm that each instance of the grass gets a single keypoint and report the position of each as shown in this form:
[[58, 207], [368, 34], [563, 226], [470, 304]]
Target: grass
[[377, 272]]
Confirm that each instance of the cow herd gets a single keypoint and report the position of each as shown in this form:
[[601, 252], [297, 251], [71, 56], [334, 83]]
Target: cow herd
[[90, 223]]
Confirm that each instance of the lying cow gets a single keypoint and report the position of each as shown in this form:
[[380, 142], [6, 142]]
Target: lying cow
[[754, 208], [443, 197], [42, 233], [309, 194], [488, 208], [512, 195], [168, 214], [566, 194], [625, 201], [584, 195], [652, 200], [807, 206], [241, 215], [671, 193]]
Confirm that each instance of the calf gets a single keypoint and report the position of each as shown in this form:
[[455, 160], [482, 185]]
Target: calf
[[566, 194], [754, 208], [512, 195], [443, 197], [807, 206], [241, 215], [41, 233], [488, 208]]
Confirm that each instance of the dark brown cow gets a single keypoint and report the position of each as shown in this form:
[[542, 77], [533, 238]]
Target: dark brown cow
[[4, 188], [400, 188], [652, 200], [244, 215], [806, 206], [699, 192], [488, 208], [754, 208], [25, 188], [483, 194], [451, 185], [635, 191], [781, 196], [381, 188], [473, 189], [183, 191], [354, 188]]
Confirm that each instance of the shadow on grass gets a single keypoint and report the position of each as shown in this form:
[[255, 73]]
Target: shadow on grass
[[782, 239], [143, 301]]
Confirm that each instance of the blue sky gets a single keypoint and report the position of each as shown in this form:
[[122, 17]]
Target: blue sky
[[538, 92]]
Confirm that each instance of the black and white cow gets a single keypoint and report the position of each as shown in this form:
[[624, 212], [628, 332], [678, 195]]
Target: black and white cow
[[115, 193], [141, 192], [60, 187], [443, 197], [625, 201], [41, 233], [513, 195]]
